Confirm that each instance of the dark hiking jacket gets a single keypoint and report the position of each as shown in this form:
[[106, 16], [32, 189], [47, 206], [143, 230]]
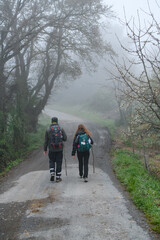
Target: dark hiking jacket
[[76, 141], [46, 142]]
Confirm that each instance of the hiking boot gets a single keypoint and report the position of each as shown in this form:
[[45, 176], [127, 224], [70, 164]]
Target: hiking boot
[[52, 178], [85, 179], [58, 179]]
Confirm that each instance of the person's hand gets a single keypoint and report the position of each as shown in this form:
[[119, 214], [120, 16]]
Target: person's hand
[[45, 153], [73, 157]]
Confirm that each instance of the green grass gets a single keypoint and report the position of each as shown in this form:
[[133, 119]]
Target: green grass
[[143, 188], [34, 140], [11, 165]]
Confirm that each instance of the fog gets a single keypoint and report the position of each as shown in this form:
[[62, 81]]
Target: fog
[[84, 88], [43, 46], [130, 8]]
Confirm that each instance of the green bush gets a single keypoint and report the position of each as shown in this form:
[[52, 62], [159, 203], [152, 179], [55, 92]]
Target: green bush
[[11, 157]]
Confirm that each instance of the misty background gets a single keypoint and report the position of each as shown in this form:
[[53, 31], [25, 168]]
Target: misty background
[[84, 90], [98, 60], [95, 59]]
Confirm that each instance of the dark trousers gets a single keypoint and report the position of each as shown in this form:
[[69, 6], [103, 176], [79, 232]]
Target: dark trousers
[[55, 158], [83, 158]]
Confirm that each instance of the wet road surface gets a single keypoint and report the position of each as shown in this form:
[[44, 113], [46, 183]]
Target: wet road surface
[[32, 207]]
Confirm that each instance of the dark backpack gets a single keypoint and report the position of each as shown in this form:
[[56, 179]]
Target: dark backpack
[[83, 143], [55, 137]]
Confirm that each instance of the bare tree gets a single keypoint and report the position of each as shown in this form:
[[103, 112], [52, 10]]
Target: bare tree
[[140, 73], [19, 27]]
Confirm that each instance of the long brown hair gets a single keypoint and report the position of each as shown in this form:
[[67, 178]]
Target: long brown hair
[[81, 127]]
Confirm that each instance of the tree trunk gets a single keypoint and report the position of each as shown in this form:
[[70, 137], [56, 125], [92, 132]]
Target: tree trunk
[[3, 110]]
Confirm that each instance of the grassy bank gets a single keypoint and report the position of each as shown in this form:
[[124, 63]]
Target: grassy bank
[[143, 188], [34, 141]]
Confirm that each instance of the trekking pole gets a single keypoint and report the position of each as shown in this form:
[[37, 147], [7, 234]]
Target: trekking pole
[[93, 160], [65, 161]]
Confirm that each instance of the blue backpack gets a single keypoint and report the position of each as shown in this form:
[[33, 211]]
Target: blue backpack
[[83, 143]]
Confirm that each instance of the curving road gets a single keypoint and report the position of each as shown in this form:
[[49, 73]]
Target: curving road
[[32, 207]]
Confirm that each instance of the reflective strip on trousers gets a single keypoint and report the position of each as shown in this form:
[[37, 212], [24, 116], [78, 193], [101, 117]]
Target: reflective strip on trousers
[[58, 174], [52, 170]]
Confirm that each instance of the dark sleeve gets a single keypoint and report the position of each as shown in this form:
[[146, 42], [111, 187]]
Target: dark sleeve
[[64, 135], [46, 141], [91, 140], [75, 144]]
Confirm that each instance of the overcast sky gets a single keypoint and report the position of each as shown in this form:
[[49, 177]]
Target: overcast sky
[[131, 7]]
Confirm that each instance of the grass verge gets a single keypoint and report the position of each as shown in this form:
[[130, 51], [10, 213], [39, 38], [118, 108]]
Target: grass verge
[[34, 141], [143, 188]]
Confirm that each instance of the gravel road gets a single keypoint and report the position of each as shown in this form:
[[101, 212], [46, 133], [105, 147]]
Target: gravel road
[[32, 207]]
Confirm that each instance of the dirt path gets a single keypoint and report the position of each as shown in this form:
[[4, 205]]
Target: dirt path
[[32, 207]]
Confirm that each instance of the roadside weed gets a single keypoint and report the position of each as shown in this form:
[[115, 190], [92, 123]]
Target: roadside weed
[[144, 189], [33, 141]]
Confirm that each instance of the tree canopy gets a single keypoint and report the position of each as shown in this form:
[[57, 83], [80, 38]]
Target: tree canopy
[[43, 41]]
